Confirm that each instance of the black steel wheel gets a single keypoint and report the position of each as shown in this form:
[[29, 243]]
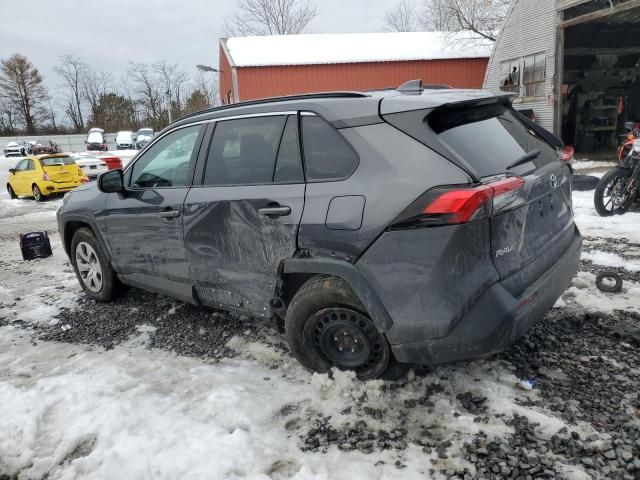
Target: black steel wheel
[[346, 339], [327, 326]]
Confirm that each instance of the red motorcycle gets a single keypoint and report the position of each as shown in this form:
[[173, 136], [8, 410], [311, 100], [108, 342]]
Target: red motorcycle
[[633, 133]]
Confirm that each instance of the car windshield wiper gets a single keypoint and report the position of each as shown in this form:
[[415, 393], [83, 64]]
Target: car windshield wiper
[[527, 157]]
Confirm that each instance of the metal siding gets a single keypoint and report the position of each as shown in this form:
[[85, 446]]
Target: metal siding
[[530, 28], [261, 82]]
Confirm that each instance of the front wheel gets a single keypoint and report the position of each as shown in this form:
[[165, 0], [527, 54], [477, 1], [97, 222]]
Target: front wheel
[[92, 268], [326, 326], [614, 193], [12, 194]]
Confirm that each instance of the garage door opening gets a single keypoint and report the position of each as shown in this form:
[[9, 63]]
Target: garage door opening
[[601, 80]]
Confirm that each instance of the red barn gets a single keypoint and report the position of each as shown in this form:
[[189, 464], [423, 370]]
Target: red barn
[[259, 67]]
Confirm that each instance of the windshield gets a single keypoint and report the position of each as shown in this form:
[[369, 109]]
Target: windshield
[[51, 161]]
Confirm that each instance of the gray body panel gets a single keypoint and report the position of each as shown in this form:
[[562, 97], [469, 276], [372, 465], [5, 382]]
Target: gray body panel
[[141, 241]]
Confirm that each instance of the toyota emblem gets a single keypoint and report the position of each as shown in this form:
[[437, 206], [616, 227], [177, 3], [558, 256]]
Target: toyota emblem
[[554, 180]]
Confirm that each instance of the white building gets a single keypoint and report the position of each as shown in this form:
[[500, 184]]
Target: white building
[[575, 64]]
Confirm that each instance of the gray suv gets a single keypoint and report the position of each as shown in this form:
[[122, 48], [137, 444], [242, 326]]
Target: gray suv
[[378, 229]]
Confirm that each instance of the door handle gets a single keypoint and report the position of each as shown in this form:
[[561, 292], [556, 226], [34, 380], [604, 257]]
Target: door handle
[[275, 212], [170, 214]]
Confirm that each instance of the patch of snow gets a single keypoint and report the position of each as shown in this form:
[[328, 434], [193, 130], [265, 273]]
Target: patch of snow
[[593, 225], [590, 164], [583, 295], [609, 259]]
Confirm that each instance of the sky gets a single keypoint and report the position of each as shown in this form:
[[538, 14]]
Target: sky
[[108, 34]]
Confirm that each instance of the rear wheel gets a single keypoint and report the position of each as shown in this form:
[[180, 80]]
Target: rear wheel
[[92, 268], [614, 194], [37, 194], [12, 194], [326, 326]]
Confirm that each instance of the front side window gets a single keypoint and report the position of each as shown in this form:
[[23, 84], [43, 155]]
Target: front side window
[[22, 166], [534, 75], [166, 163], [510, 76], [244, 151], [327, 155]]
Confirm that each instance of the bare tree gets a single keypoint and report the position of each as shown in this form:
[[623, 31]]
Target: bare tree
[[147, 91], [8, 114], [95, 84], [73, 72], [481, 17], [209, 86], [402, 18], [21, 86], [173, 82], [270, 17]]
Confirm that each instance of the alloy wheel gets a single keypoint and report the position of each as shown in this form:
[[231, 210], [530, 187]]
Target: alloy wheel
[[88, 266]]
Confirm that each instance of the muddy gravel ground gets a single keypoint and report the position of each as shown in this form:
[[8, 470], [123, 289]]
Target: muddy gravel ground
[[586, 369]]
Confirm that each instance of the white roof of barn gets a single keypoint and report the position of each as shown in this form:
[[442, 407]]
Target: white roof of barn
[[315, 49]]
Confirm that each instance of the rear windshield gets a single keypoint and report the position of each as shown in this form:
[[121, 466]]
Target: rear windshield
[[51, 161], [489, 137]]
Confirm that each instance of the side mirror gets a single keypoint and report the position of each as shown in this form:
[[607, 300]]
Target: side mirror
[[111, 182], [12, 171]]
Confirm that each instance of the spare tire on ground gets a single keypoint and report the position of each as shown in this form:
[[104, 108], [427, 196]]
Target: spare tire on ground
[[585, 182]]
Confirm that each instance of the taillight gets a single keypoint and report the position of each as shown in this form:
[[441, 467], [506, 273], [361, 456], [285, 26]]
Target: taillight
[[567, 153], [456, 205], [45, 177]]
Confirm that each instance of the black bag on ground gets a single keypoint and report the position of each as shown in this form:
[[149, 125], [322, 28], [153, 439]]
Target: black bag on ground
[[35, 245]]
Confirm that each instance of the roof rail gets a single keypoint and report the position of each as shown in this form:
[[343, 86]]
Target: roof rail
[[304, 96]]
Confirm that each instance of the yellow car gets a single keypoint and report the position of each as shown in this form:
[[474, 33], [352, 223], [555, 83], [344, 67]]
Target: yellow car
[[44, 175]]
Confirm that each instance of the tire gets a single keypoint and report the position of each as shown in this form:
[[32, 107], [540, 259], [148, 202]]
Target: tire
[[12, 194], [609, 181], [615, 288], [583, 183], [92, 262], [326, 326], [37, 194]]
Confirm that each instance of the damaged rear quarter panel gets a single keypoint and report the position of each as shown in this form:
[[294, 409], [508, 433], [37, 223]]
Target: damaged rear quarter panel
[[428, 278]]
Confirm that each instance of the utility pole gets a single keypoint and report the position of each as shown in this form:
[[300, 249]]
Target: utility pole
[[169, 108]]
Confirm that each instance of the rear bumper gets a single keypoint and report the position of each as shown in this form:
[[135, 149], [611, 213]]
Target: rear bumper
[[496, 319], [49, 188]]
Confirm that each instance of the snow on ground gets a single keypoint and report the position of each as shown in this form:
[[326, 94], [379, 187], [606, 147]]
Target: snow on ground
[[77, 411]]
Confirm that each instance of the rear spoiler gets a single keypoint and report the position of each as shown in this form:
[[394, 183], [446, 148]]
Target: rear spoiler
[[545, 134]]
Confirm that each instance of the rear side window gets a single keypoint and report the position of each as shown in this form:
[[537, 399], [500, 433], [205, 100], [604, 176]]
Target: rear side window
[[327, 155], [489, 138], [244, 151]]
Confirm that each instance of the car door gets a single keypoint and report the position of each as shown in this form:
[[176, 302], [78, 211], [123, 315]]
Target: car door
[[144, 224], [243, 218], [17, 178], [24, 177]]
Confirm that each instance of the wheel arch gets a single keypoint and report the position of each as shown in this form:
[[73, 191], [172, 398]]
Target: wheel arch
[[296, 271], [72, 225]]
